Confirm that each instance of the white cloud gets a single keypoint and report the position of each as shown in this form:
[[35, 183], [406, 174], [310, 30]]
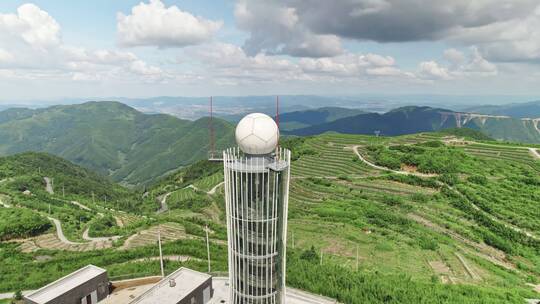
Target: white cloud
[[454, 56], [513, 40], [459, 66], [31, 48], [275, 29], [231, 65], [153, 24], [35, 26], [432, 70], [5, 56], [503, 30]]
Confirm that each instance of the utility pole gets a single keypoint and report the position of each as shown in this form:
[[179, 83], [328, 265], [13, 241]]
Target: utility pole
[[63, 191], [49, 208], [207, 248], [160, 253]]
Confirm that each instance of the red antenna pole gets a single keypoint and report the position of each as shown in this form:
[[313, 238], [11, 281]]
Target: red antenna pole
[[211, 128]]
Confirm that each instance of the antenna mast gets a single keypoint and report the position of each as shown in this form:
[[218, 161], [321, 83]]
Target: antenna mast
[[277, 123], [211, 128]]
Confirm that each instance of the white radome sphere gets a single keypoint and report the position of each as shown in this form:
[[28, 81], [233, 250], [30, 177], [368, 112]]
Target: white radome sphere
[[257, 134]]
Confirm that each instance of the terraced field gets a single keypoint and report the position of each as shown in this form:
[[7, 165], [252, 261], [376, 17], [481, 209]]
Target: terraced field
[[347, 208], [456, 228], [207, 183], [169, 232], [334, 158], [50, 241], [504, 153]]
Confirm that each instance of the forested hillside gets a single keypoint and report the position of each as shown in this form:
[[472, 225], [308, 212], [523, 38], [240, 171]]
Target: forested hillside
[[111, 138], [414, 119], [301, 119], [517, 110], [407, 219]]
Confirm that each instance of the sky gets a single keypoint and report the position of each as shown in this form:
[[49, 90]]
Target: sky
[[94, 49]]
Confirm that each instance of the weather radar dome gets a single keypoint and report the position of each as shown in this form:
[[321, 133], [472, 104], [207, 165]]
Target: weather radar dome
[[257, 134]]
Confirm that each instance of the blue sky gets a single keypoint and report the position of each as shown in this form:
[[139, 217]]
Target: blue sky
[[95, 49]]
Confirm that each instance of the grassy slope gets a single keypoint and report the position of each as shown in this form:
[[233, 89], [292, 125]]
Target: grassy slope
[[423, 234], [111, 138], [29, 270], [401, 226]]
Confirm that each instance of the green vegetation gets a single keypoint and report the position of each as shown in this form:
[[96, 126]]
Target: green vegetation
[[111, 138], [415, 119], [363, 286], [466, 133], [426, 157], [302, 119], [467, 232], [20, 223], [103, 226], [416, 224]]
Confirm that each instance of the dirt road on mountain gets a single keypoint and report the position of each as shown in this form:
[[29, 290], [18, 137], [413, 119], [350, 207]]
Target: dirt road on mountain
[[98, 239], [48, 185], [163, 202], [60, 233], [214, 189], [534, 153], [357, 152]]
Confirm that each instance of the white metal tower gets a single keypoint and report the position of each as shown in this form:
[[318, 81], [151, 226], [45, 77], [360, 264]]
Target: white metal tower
[[256, 194]]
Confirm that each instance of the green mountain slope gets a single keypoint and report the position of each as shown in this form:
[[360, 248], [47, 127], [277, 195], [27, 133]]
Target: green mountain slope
[[455, 222], [412, 119], [110, 138], [301, 119], [417, 237], [517, 110], [34, 186]]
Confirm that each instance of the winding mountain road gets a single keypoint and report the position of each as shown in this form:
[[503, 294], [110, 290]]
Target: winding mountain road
[[534, 153], [357, 152], [214, 189], [163, 203], [60, 233], [98, 239], [48, 185], [163, 199], [492, 217]]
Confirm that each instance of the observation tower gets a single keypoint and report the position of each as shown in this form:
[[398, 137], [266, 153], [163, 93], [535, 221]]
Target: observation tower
[[257, 175]]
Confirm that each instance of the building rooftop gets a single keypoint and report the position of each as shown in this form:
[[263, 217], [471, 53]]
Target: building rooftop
[[62, 285], [292, 295], [186, 280]]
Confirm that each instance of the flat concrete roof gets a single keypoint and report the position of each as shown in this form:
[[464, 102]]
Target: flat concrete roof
[[65, 284], [186, 280]]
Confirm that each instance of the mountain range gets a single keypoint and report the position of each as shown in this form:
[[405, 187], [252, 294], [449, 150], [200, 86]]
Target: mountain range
[[414, 119], [517, 110], [111, 138], [134, 148]]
